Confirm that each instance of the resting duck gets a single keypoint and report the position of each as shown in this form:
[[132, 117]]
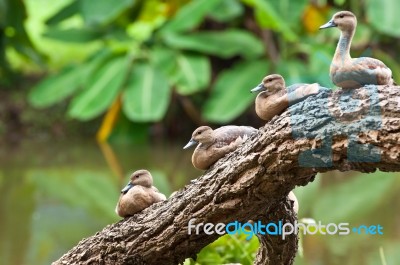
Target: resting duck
[[214, 144], [276, 98], [138, 194], [347, 72]]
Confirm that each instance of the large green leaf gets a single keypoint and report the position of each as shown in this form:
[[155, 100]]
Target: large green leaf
[[231, 93], [64, 13], [227, 10], [164, 59], [383, 15], [103, 11], [94, 63], [72, 35], [352, 200], [290, 10], [102, 88], [224, 44], [3, 12], [190, 15], [268, 17], [56, 88], [15, 16], [192, 73], [147, 94]]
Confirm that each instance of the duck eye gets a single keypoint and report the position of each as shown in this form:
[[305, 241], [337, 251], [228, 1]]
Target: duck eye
[[341, 16], [137, 176], [198, 132]]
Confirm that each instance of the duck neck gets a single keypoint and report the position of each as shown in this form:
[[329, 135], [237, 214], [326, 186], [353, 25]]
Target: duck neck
[[342, 52]]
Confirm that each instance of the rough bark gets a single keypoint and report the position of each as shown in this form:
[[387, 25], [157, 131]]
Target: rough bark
[[344, 130], [274, 250]]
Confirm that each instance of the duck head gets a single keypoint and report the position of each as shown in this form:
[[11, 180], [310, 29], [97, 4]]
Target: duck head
[[271, 83], [344, 20], [203, 134], [140, 177]]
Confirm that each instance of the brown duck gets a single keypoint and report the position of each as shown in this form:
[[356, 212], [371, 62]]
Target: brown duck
[[276, 98], [138, 194], [347, 72], [214, 144]]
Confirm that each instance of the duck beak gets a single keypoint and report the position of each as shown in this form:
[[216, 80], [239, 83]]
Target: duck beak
[[329, 24], [127, 187], [258, 88], [190, 144]]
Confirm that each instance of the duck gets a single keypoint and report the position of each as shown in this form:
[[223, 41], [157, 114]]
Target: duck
[[138, 194], [215, 144], [351, 73], [276, 98]]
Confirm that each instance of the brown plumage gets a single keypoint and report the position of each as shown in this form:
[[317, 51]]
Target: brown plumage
[[347, 72], [214, 144], [276, 98], [138, 194]]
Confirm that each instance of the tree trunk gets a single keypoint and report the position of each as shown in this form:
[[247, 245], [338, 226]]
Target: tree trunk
[[344, 130], [274, 250]]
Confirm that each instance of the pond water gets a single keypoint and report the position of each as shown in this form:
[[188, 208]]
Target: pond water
[[53, 195]]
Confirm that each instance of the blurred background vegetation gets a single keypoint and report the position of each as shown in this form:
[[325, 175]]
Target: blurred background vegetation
[[142, 75]]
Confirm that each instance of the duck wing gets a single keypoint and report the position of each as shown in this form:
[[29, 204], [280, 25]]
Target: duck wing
[[360, 72], [293, 87], [227, 134], [380, 71]]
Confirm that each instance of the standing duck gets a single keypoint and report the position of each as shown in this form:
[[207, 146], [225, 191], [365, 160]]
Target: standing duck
[[138, 194], [276, 98], [347, 72], [214, 144]]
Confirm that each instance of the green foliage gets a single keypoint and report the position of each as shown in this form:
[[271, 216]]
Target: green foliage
[[211, 52], [231, 94], [73, 35], [56, 88], [14, 36], [147, 95], [224, 44], [192, 73], [226, 10], [190, 15], [101, 12], [228, 249], [267, 17], [101, 90], [170, 58], [382, 16]]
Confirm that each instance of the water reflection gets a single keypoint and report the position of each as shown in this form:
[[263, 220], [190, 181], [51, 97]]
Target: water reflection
[[53, 195]]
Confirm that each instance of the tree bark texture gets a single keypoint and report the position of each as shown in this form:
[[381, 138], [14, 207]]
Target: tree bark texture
[[342, 130]]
